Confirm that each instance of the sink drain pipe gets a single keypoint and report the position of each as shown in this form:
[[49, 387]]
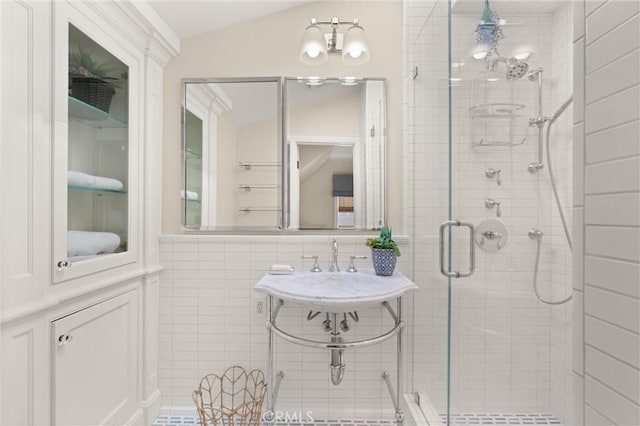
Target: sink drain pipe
[[337, 365]]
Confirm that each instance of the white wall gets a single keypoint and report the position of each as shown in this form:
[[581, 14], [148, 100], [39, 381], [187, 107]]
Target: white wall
[[208, 322], [607, 212], [269, 46]]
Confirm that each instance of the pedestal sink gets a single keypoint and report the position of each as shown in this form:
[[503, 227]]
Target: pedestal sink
[[334, 293]]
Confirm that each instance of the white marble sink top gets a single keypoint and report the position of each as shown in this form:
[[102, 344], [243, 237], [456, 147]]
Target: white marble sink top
[[335, 291]]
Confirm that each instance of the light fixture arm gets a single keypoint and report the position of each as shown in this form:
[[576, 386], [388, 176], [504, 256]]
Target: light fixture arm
[[335, 21], [316, 44]]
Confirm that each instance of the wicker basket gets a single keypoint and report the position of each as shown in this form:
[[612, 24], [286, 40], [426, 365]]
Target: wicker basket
[[93, 91], [233, 399]]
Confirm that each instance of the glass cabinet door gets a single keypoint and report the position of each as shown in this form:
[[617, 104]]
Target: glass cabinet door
[[97, 190]]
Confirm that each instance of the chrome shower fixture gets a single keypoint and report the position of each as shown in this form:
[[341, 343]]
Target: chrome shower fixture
[[491, 173], [490, 203], [515, 68]]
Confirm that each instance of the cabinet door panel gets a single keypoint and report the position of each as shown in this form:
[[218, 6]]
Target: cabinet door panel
[[95, 362], [24, 147], [96, 109]]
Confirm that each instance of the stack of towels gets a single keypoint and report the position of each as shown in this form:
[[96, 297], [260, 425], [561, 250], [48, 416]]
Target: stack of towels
[[90, 181], [84, 243], [190, 195]]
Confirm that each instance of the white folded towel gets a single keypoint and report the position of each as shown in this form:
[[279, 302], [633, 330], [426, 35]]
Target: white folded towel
[[191, 195], [83, 243], [83, 179], [277, 269]]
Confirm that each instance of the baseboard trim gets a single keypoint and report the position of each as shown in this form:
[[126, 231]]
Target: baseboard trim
[[178, 410], [151, 407]]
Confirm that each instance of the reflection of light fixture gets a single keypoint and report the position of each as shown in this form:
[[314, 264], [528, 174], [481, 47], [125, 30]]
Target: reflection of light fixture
[[522, 53], [349, 81], [316, 45], [312, 80]]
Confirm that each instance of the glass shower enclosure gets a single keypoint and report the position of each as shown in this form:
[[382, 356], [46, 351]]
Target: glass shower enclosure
[[490, 244]]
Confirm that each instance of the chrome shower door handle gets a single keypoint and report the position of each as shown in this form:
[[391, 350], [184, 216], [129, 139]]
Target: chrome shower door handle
[[472, 250]]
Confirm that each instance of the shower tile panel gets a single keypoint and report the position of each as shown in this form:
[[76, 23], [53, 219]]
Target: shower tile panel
[[611, 15], [618, 42]]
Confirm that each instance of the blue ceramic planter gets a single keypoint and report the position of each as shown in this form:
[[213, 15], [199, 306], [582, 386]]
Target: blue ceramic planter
[[384, 261]]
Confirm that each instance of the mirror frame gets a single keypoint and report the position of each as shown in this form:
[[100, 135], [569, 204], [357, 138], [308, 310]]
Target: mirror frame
[[282, 153], [279, 140]]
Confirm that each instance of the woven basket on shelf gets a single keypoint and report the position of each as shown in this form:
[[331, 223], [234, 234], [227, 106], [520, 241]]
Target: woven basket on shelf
[[93, 91]]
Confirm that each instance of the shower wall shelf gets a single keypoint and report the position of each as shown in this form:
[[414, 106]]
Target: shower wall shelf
[[484, 143], [250, 187], [496, 110], [494, 124], [247, 165], [258, 209], [96, 189]]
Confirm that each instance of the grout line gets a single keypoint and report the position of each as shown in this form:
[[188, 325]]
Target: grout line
[[587, 284], [610, 356], [626, 21], [612, 324]]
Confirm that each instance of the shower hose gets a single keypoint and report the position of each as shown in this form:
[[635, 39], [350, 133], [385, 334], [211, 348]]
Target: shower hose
[[560, 210]]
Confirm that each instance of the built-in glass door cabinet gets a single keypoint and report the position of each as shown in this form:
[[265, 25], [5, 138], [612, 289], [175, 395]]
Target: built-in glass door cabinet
[[95, 169]]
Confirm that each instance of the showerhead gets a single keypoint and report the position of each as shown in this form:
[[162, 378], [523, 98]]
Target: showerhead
[[516, 69]]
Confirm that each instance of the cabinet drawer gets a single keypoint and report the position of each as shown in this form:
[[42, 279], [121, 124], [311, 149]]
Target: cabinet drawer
[[94, 362]]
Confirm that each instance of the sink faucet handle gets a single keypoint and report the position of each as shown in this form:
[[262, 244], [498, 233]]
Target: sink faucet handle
[[316, 265], [352, 265]]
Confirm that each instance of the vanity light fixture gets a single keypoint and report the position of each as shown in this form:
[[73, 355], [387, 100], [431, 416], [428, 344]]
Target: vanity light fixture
[[316, 44]]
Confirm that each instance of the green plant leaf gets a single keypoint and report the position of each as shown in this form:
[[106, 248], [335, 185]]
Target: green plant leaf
[[383, 241]]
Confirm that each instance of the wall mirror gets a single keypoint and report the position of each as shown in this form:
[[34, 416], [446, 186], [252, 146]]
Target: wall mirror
[[314, 160], [336, 144], [232, 148]]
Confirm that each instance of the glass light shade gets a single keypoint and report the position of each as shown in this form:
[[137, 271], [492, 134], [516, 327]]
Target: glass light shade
[[481, 51], [355, 50], [522, 53], [313, 49]]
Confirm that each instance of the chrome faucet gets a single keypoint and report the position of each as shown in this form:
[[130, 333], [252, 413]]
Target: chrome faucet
[[334, 256]]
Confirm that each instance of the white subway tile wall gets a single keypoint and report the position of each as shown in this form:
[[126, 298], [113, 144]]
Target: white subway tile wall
[[209, 322], [510, 352], [609, 386]]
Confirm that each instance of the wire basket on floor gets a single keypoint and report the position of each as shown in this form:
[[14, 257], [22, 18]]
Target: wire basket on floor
[[233, 399], [93, 91]]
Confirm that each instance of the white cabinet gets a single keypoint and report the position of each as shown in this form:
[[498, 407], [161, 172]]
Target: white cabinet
[[98, 101], [107, 372], [94, 363]]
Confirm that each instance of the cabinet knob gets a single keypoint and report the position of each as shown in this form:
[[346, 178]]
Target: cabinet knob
[[63, 339], [64, 264]]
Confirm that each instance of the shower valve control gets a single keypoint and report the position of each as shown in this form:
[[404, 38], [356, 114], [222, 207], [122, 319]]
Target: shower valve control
[[491, 173], [491, 235], [491, 203]]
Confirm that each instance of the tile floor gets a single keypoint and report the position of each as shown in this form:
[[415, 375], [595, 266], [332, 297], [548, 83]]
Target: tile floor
[[465, 419]]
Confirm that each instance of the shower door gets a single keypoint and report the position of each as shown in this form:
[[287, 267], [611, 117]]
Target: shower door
[[486, 350]]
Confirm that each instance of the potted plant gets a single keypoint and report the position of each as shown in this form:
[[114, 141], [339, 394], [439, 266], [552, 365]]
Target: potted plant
[[90, 81], [384, 252]]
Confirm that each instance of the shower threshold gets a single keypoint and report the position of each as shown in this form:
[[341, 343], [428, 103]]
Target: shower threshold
[[423, 413]]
